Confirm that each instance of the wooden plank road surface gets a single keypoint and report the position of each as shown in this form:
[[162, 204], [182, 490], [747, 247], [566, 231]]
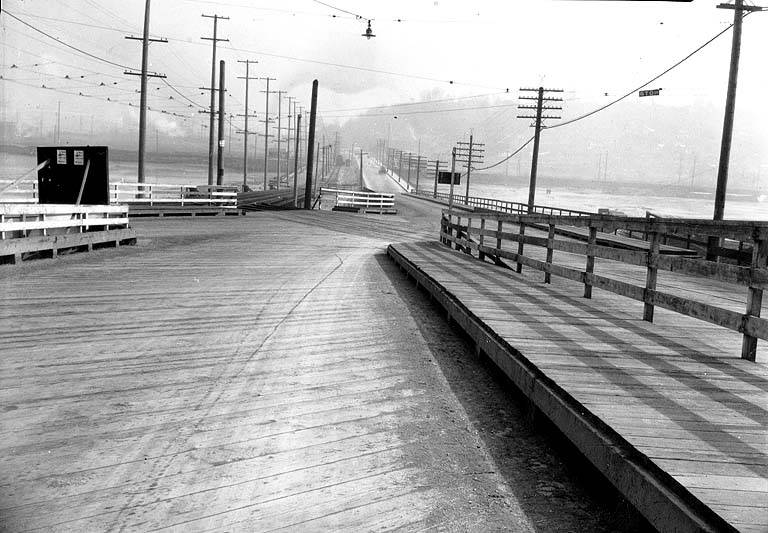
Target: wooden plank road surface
[[238, 373], [667, 411]]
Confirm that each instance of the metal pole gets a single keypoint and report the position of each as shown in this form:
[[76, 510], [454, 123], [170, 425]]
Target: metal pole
[[310, 147], [143, 98], [296, 161], [361, 169], [220, 154]]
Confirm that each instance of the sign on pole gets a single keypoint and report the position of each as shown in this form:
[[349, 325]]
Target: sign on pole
[[650, 92], [444, 177]]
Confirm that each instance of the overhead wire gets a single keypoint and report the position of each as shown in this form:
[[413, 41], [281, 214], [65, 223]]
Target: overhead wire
[[617, 100], [80, 50], [633, 91]]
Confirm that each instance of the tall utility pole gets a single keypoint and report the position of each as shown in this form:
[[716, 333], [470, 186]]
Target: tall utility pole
[[438, 167], [296, 161], [145, 40], [469, 154], [212, 88], [279, 130], [361, 169], [266, 129], [220, 152], [453, 175], [310, 147], [289, 116], [539, 107], [246, 114], [730, 105]]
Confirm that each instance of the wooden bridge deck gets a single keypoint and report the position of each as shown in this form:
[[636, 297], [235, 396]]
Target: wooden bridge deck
[[668, 411], [202, 380]]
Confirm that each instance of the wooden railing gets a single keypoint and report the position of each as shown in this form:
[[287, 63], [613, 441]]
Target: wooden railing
[[473, 234], [492, 204], [358, 199], [28, 228], [164, 194], [15, 192]]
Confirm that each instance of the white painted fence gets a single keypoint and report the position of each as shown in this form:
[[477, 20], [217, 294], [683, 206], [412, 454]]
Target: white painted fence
[[358, 199], [165, 194]]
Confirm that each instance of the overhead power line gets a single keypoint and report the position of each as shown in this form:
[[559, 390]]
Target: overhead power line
[[357, 16], [80, 50], [426, 111], [633, 91], [629, 93], [420, 102]]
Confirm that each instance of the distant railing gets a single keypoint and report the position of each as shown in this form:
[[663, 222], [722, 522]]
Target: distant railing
[[164, 194], [18, 192], [358, 199], [471, 237], [503, 206]]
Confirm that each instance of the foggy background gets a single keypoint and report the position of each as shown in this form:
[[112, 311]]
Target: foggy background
[[470, 59]]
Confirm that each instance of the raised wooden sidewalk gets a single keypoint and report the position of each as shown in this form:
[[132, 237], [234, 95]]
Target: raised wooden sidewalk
[[667, 411]]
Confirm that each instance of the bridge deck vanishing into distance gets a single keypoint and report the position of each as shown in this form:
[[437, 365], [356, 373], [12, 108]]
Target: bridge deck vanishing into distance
[[277, 371]]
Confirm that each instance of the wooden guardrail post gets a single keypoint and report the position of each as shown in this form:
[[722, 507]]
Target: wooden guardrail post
[[520, 248], [651, 275], [481, 255], [754, 297], [458, 233], [468, 248], [498, 237], [590, 261], [550, 252]]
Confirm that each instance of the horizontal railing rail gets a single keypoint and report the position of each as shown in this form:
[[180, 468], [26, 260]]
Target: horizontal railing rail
[[18, 191], [167, 194], [472, 234], [504, 206], [360, 199], [24, 220]]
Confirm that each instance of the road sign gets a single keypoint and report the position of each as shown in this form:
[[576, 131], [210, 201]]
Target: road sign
[[444, 177], [650, 92]]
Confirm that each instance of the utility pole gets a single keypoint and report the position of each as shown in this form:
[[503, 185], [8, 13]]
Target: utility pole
[[453, 174], [220, 152], [469, 154], [539, 107], [289, 116], [296, 162], [266, 128], [310, 147], [361, 169], [438, 167], [730, 105], [145, 40], [215, 39], [279, 130], [229, 141], [245, 114]]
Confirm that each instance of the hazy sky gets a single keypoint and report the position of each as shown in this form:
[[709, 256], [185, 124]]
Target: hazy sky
[[588, 48]]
